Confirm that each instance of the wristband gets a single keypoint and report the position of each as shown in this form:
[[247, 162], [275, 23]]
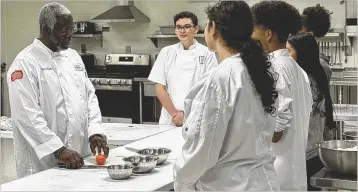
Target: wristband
[[58, 152]]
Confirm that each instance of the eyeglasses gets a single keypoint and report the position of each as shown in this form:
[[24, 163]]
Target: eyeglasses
[[186, 27]]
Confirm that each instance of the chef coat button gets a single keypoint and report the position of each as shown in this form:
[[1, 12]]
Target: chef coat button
[[186, 128], [60, 74]]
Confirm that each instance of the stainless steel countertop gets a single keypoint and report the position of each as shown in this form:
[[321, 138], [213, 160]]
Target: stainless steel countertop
[[328, 180], [351, 81], [141, 79]]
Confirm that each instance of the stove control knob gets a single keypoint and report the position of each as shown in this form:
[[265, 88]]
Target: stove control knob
[[97, 81], [108, 81], [124, 81]]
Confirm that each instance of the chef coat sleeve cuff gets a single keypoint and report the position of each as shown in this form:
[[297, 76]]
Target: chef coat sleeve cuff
[[157, 80], [48, 147], [283, 120], [96, 128]]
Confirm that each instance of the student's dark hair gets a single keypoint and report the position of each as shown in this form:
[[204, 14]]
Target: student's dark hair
[[233, 21], [278, 16], [317, 20], [186, 15], [307, 52]]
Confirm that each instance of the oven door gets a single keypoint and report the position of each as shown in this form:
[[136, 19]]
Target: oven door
[[118, 106]]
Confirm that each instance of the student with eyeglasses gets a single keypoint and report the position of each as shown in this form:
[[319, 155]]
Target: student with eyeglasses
[[178, 67]]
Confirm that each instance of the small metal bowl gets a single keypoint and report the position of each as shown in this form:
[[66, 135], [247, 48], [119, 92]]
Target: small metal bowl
[[143, 164], [120, 172], [161, 153]]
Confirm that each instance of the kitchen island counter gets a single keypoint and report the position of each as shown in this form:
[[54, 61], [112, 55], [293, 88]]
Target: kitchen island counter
[[161, 179], [120, 133], [326, 180]]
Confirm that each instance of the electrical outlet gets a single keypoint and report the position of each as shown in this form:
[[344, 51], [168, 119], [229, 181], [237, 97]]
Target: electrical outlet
[[105, 29], [128, 49]]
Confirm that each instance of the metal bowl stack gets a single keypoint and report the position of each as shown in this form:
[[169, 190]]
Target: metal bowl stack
[[143, 164], [120, 172], [339, 156], [161, 153]]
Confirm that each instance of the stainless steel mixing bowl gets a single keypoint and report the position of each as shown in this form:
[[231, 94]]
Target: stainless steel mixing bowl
[[350, 135], [336, 159], [160, 152], [120, 172], [142, 164]]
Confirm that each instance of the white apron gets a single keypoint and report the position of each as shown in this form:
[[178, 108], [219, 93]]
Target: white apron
[[180, 78]]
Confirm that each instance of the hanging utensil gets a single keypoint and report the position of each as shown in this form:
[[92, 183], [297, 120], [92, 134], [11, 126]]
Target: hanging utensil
[[325, 48], [332, 52], [339, 54], [335, 54], [320, 46], [329, 52]]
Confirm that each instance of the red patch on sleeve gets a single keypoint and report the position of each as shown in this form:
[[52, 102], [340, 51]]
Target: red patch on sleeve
[[16, 75]]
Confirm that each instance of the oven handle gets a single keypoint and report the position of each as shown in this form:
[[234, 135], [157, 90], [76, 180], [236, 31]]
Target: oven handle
[[112, 88]]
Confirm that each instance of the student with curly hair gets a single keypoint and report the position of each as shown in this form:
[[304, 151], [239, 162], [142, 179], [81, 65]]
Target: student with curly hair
[[274, 22], [304, 49], [229, 115], [317, 21]]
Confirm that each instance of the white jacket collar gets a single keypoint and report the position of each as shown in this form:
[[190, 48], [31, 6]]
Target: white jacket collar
[[42, 46], [181, 47], [280, 52]]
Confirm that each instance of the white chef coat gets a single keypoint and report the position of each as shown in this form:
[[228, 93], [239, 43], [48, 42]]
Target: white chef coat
[[52, 105], [295, 105], [179, 70], [227, 135]]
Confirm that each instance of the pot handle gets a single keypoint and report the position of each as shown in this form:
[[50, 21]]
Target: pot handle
[[318, 144]]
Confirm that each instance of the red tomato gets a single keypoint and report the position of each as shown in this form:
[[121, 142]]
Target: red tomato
[[100, 159]]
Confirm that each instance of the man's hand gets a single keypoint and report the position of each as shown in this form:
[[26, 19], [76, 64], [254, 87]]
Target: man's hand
[[100, 144], [277, 136], [178, 118], [71, 158]]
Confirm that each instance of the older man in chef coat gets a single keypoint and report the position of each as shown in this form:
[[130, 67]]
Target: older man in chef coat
[[178, 67], [53, 104]]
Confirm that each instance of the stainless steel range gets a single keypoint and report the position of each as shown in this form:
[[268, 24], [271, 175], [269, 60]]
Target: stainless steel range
[[116, 90]]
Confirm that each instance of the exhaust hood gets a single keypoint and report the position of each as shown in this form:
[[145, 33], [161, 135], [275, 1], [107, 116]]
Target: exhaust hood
[[123, 12]]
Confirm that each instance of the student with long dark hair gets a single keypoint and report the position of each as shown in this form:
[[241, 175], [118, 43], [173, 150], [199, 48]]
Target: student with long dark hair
[[304, 49], [229, 115]]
